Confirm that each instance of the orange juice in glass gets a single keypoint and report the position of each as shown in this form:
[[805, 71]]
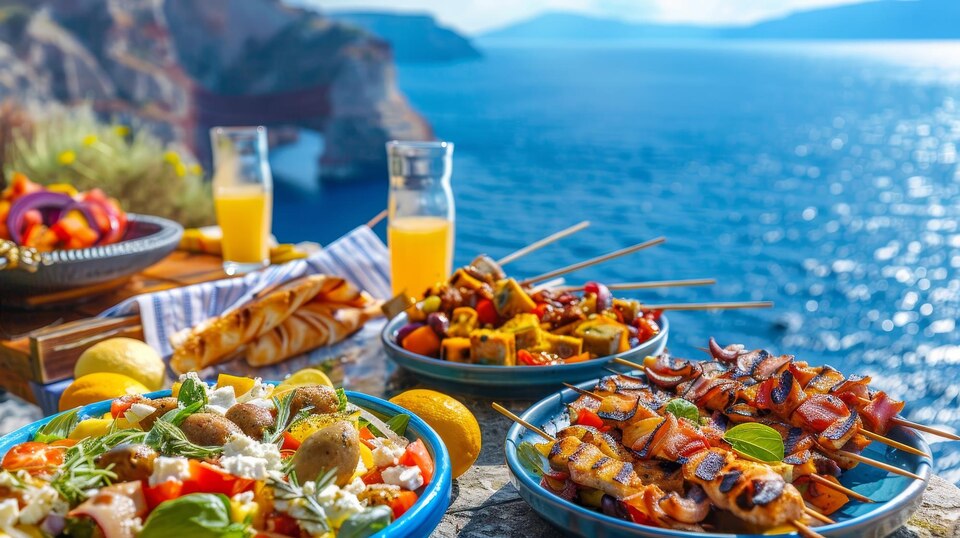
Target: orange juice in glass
[[242, 196], [420, 231]]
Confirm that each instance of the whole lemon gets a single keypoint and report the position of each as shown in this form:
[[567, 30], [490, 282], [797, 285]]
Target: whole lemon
[[452, 421], [97, 387], [126, 356]]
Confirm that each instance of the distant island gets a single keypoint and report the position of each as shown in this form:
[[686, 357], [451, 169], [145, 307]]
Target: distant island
[[881, 19], [415, 38]]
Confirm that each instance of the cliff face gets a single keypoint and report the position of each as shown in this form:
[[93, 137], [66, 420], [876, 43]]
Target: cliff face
[[183, 66]]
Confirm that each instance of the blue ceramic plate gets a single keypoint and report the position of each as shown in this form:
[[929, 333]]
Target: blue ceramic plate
[[492, 380], [419, 520], [897, 497]]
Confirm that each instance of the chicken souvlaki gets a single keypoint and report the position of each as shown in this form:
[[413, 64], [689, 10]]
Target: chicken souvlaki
[[238, 459]]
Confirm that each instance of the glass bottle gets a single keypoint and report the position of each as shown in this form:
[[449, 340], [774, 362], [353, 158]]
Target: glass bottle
[[420, 229]]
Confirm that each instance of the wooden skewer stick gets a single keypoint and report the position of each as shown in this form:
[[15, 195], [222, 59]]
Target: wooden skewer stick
[[806, 531], [376, 220], [708, 306], [900, 421], [817, 515], [851, 455], [878, 464], [890, 442], [537, 245], [647, 285], [846, 491], [578, 390], [593, 261], [507, 413]]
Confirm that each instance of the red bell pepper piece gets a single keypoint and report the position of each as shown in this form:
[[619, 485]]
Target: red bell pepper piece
[[586, 417], [416, 454], [402, 502], [486, 312]]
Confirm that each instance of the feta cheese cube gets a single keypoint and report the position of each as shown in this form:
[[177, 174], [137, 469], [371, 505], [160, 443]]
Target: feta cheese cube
[[403, 476], [221, 399], [39, 502], [387, 454], [167, 469], [245, 467], [9, 513], [247, 458], [138, 412]]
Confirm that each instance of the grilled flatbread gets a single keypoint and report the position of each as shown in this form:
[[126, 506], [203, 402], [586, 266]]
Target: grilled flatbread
[[217, 339]]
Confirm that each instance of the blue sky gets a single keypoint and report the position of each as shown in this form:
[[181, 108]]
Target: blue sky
[[476, 16]]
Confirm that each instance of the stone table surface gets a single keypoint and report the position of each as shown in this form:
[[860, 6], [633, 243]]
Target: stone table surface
[[484, 502]]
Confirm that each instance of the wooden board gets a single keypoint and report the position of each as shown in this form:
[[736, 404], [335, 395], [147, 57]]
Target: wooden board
[[44, 334]]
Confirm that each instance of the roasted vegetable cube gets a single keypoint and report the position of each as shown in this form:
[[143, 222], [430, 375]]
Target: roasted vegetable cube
[[561, 346], [461, 279], [628, 308], [525, 329], [463, 321], [603, 336], [509, 299], [493, 347], [456, 349]]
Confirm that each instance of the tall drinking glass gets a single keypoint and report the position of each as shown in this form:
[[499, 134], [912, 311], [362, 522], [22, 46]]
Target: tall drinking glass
[[421, 215], [242, 196]]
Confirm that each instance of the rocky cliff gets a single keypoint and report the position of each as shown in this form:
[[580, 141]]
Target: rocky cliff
[[182, 66]]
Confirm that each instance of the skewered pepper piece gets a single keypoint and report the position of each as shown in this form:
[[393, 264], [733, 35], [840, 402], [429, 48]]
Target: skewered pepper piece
[[463, 321]]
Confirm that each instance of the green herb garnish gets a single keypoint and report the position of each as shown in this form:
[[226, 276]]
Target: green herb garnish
[[681, 408], [397, 424], [170, 440], [58, 428], [757, 441], [192, 391], [291, 490], [284, 421], [531, 458], [198, 515], [366, 523], [79, 472], [341, 400]]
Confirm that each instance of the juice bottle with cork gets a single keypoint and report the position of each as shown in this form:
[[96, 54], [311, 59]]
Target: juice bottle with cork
[[242, 196], [420, 231]]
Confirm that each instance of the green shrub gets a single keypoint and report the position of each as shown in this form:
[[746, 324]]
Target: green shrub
[[128, 163]]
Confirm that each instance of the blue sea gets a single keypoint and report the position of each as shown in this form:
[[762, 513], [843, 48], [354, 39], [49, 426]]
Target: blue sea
[[821, 176]]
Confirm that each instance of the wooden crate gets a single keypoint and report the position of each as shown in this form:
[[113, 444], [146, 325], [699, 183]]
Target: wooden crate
[[45, 334]]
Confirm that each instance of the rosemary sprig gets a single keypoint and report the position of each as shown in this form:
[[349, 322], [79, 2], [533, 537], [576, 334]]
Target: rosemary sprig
[[79, 472], [283, 421], [291, 491], [170, 440]]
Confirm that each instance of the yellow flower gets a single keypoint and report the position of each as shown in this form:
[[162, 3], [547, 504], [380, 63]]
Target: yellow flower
[[89, 140], [67, 157], [121, 130], [181, 169], [171, 157], [196, 169]]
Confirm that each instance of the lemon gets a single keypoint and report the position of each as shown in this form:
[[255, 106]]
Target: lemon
[[307, 376], [455, 424], [91, 427], [126, 356], [97, 387], [241, 385]]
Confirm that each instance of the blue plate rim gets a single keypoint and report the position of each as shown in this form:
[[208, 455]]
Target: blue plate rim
[[391, 327], [521, 477], [420, 519]]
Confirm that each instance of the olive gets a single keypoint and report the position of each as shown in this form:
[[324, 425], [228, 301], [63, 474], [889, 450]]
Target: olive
[[129, 461], [335, 447], [209, 429], [252, 419]]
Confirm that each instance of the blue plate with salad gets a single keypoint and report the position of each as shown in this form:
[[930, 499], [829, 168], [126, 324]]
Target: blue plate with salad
[[306, 462], [571, 493]]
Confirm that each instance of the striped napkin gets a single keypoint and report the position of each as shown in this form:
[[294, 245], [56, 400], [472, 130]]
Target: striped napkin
[[358, 256]]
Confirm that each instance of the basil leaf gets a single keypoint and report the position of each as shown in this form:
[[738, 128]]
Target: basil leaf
[[58, 428], [531, 458], [366, 523], [198, 515], [341, 400], [191, 392], [755, 440], [398, 423], [177, 416], [681, 408]]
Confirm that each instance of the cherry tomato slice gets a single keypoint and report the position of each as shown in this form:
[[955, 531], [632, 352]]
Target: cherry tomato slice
[[417, 454], [402, 502], [33, 457]]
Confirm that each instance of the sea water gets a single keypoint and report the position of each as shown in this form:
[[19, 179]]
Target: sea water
[[821, 176]]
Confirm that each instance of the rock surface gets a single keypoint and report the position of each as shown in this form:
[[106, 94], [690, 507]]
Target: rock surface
[[182, 66]]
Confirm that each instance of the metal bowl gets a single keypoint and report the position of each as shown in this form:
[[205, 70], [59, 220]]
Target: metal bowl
[[148, 240]]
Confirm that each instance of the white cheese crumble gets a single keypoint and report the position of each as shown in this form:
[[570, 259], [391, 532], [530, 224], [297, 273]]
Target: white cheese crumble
[[339, 504], [387, 454], [221, 399], [261, 402], [41, 502], [260, 390], [138, 412], [169, 469], [403, 476], [246, 458], [9, 513]]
